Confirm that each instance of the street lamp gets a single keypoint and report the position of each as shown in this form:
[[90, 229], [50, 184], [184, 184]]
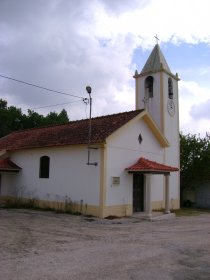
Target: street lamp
[[89, 90]]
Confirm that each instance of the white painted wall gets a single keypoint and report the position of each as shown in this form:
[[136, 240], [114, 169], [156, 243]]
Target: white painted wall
[[6, 186], [157, 187], [171, 131], [123, 150], [69, 175]]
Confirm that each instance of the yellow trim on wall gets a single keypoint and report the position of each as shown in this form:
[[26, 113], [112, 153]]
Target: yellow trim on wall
[[137, 92], [151, 124], [124, 210], [119, 210], [161, 104], [102, 198], [83, 209], [176, 76], [156, 131], [73, 207], [159, 205]]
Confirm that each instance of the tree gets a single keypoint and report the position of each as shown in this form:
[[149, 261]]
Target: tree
[[11, 118], [194, 161], [55, 118], [34, 119], [3, 118], [3, 104], [14, 118], [63, 116]]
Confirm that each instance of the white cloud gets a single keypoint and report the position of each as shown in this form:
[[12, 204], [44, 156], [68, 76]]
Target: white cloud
[[193, 105], [66, 45]]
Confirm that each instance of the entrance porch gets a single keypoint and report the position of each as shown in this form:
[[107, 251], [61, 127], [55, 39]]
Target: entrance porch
[[142, 171]]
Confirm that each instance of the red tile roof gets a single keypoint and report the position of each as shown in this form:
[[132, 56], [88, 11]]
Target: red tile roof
[[7, 165], [144, 164], [75, 132]]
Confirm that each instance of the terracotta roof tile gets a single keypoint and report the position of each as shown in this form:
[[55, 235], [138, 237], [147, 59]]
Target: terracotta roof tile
[[7, 165], [144, 164], [75, 132]]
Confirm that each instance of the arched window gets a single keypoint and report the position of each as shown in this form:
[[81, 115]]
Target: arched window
[[44, 167], [149, 87], [170, 88]]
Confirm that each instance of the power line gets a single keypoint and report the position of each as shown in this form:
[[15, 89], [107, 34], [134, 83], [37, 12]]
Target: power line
[[37, 86], [47, 106]]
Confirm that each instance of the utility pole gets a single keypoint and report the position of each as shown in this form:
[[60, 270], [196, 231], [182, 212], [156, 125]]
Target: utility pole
[[89, 90]]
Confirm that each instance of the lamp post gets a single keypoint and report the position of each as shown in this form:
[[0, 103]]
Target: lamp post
[[89, 90]]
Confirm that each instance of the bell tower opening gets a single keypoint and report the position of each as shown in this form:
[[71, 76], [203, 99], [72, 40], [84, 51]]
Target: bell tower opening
[[149, 87], [170, 88]]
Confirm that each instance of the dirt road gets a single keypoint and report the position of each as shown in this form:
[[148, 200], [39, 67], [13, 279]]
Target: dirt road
[[42, 245]]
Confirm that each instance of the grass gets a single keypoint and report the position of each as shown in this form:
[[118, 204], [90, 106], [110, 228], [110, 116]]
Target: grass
[[190, 212]]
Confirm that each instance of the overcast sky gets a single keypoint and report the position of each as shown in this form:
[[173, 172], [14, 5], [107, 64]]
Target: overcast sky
[[66, 45]]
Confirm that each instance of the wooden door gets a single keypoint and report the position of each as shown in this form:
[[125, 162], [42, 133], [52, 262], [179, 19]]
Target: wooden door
[[138, 192]]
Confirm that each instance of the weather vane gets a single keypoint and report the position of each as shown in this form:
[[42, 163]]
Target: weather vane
[[157, 39]]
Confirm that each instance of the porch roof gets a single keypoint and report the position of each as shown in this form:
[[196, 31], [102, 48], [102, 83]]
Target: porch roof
[[7, 165], [144, 165]]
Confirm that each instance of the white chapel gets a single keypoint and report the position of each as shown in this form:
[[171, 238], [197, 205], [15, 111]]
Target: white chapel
[[134, 155]]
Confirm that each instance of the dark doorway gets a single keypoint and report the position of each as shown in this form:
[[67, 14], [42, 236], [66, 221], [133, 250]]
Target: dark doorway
[[138, 192]]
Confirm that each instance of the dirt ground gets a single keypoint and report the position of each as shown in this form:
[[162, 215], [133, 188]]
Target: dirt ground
[[43, 245]]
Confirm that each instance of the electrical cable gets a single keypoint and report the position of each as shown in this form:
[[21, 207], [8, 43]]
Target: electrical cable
[[37, 86], [60, 104], [86, 104]]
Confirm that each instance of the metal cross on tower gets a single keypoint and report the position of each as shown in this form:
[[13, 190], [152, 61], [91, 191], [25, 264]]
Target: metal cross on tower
[[157, 39]]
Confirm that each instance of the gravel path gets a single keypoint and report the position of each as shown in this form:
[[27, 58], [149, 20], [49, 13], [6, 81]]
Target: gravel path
[[43, 245]]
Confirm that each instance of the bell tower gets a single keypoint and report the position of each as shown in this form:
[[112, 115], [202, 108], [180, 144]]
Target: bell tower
[[157, 92]]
